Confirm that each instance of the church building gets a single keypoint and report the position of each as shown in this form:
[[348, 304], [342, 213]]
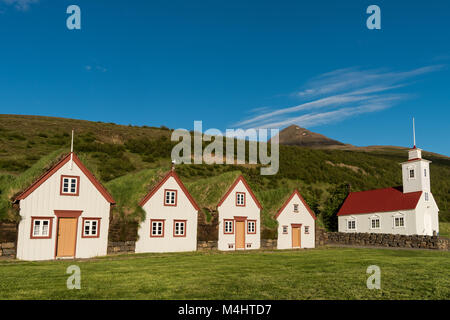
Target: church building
[[409, 209]]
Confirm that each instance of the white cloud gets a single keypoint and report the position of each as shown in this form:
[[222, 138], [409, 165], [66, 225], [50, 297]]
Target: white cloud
[[95, 68], [21, 5], [337, 95]]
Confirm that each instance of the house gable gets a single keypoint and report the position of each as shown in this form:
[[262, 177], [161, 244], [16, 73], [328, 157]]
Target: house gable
[[247, 187], [295, 194], [49, 173], [170, 174]]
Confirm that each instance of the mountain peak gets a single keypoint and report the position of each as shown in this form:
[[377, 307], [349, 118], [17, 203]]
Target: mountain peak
[[298, 136]]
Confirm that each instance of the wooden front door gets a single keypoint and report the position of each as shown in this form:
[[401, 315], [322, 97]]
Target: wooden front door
[[296, 237], [240, 234], [67, 236]]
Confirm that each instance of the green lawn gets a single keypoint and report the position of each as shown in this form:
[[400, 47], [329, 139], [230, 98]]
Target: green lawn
[[444, 229], [330, 273]]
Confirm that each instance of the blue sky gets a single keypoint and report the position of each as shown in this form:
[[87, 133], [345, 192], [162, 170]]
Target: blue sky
[[234, 64]]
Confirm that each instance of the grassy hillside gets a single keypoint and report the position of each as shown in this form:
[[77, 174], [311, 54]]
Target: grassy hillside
[[130, 159]]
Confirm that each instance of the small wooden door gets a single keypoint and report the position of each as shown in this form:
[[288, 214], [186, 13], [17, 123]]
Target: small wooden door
[[240, 234], [296, 237], [67, 235]]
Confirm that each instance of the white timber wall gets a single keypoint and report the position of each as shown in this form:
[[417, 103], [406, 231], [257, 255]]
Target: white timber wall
[[228, 210], [45, 199], [427, 216], [155, 209], [288, 217], [363, 222]]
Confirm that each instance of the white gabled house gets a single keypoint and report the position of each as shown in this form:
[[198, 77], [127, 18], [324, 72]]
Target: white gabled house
[[239, 218], [407, 210], [64, 214], [296, 224], [171, 218]]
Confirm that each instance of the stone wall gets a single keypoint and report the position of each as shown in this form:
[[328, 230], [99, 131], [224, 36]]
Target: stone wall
[[8, 249], [206, 245], [268, 244], [115, 247], [381, 240], [8, 232]]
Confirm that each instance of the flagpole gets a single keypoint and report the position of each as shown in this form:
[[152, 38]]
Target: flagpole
[[414, 133], [71, 153]]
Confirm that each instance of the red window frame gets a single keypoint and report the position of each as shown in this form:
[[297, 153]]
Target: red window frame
[[98, 227], [185, 225], [248, 223], [232, 226], [240, 205], [176, 198], [151, 228], [77, 193], [50, 227]]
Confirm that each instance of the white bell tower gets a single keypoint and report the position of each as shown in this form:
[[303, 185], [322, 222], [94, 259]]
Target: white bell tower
[[416, 171]]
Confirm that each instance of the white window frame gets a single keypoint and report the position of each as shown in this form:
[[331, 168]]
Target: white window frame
[[374, 218], [89, 223], [351, 219], [411, 168], [181, 227], [398, 216], [251, 227], [427, 196], [228, 227], [240, 199], [157, 234], [306, 229], [425, 172], [40, 229], [170, 200], [285, 229], [70, 181], [296, 208]]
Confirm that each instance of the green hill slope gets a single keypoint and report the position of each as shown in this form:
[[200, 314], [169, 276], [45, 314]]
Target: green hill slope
[[130, 159]]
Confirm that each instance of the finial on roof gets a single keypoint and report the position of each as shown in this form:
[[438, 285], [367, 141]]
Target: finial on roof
[[414, 134], [173, 165]]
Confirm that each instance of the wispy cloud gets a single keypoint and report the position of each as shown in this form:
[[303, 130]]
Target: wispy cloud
[[21, 5], [336, 95], [95, 68]]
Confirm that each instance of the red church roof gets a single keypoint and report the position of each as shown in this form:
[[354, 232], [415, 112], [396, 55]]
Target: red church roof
[[58, 166], [379, 200]]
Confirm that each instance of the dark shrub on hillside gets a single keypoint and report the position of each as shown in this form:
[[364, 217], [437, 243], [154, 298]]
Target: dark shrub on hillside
[[16, 136], [13, 165], [112, 168], [148, 158], [158, 148], [332, 206]]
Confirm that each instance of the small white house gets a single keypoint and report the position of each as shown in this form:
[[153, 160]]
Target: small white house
[[171, 215], [239, 218], [64, 214], [407, 210], [296, 224]]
